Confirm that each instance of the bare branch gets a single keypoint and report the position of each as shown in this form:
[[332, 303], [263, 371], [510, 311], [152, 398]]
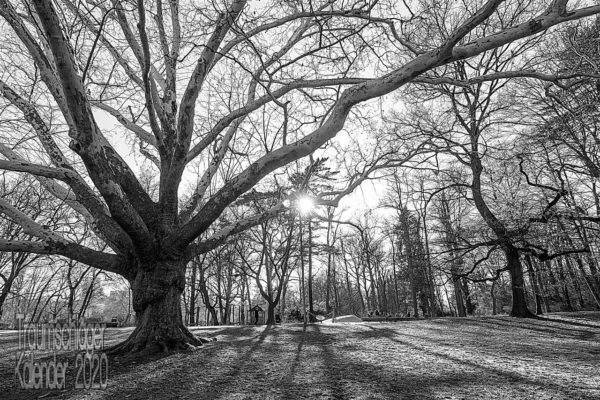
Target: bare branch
[[219, 237], [140, 132], [349, 98], [104, 261]]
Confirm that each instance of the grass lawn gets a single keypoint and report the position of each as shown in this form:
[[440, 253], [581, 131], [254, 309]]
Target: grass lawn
[[450, 358]]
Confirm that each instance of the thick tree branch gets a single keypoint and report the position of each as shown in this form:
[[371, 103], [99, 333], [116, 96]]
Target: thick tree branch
[[349, 98], [45, 65], [94, 210], [153, 105], [140, 132], [255, 104], [111, 175], [556, 79], [204, 183], [104, 261], [185, 122], [188, 102]]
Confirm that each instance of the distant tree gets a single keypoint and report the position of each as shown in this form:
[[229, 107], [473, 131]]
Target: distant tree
[[451, 239]]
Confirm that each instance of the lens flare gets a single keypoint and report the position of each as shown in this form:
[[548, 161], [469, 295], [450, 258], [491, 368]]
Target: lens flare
[[305, 205]]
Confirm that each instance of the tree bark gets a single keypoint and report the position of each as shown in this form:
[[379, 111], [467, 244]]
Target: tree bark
[[157, 291], [493, 295], [458, 297], [519, 300], [348, 283], [311, 309], [470, 304], [553, 281], [271, 313], [456, 260], [193, 294], [563, 283], [539, 309], [576, 286], [435, 310], [3, 296]]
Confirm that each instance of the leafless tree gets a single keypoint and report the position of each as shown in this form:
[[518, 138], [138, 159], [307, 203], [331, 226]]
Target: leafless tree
[[301, 61]]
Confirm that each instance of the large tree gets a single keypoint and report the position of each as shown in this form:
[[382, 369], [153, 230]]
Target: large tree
[[266, 83]]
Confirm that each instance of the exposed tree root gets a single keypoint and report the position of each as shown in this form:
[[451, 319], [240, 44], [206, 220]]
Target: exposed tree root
[[145, 342], [524, 314]]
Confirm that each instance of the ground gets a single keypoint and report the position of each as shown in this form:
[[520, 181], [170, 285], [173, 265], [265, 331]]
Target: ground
[[450, 358]]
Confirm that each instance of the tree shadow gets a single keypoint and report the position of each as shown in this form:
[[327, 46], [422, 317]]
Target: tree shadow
[[286, 362], [290, 389], [529, 325], [569, 322], [179, 374], [491, 371], [529, 345], [332, 370]]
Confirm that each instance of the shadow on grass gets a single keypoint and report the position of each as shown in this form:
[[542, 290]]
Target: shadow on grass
[[332, 368], [550, 329], [364, 361], [187, 376], [492, 373], [290, 389], [524, 343], [569, 322]]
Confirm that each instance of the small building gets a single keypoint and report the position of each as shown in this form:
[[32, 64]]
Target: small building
[[257, 315]]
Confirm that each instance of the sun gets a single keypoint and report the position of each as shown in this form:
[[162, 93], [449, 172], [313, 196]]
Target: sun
[[305, 205]]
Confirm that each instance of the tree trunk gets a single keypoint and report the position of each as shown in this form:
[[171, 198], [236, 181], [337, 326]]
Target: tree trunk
[[71, 298], [336, 296], [243, 305], [2, 300], [458, 297], [519, 300], [157, 292], [271, 313], [302, 280], [450, 306], [471, 306], [553, 282], [4, 294], [415, 303], [282, 301], [563, 280], [311, 310], [588, 280], [435, 310], [348, 284], [541, 284], [396, 295], [539, 309], [591, 260], [366, 289], [573, 276], [206, 298], [193, 320], [329, 260], [493, 295]]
